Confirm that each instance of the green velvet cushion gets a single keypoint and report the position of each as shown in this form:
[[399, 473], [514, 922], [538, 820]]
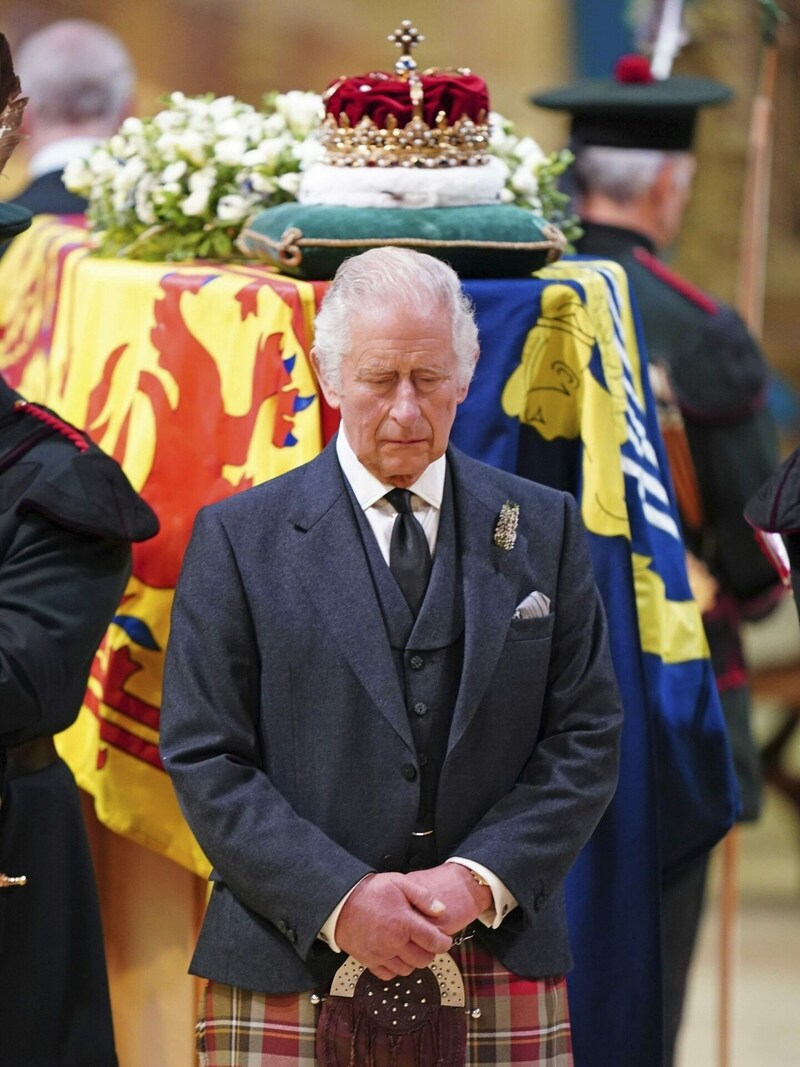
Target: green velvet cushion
[[491, 241]]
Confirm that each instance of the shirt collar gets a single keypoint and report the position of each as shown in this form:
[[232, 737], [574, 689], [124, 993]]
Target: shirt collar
[[369, 489], [55, 156]]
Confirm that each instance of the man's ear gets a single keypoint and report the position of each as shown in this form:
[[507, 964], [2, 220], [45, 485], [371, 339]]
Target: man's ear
[[664, 183], [331, 395]]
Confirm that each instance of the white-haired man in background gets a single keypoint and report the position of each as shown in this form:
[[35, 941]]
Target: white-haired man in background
[[79, 80]]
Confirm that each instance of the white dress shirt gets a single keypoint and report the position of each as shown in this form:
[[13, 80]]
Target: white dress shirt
[[426, 503]]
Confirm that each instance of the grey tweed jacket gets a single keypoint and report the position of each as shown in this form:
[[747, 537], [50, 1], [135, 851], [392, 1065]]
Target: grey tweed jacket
[[286, 735]]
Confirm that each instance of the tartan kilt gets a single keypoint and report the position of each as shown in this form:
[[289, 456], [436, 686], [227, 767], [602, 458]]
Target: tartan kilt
[[523, 1022]]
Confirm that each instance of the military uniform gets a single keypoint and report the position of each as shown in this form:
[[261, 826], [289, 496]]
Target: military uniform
[[67, 517]]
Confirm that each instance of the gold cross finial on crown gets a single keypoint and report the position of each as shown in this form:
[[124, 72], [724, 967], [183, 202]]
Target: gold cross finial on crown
[[405, 37]]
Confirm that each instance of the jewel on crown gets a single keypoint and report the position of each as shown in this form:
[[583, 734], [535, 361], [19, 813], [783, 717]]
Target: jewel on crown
[[437, 118]]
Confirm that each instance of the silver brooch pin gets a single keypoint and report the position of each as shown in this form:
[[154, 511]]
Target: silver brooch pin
[[505, 533]]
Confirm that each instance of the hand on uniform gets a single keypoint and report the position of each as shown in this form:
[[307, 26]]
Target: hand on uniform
[[388, 923], [463, 897]]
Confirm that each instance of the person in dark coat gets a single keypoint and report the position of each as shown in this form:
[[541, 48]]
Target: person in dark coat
[[632, 138], [67, 517], [79, 80], [390, 712], [775, 510]]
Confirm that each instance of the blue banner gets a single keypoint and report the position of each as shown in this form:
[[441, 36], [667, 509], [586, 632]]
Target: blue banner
[[563, 397]]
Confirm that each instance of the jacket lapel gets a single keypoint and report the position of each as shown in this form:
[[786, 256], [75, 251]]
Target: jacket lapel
[[491, 577], [332, 567]]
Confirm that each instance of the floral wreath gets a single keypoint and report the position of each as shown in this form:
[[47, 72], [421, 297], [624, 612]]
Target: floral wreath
[[182, 184]]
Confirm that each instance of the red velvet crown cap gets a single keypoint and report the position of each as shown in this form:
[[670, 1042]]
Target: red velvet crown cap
[[379, 95]]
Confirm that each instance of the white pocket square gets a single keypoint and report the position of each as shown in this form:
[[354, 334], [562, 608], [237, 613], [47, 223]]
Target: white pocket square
[[535, 606]]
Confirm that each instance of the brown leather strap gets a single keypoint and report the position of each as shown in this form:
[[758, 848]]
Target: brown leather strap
[[30, 756], [684, 476], [676, 445]]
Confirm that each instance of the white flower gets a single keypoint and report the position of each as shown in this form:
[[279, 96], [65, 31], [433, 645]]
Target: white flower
[[230, 151], [237, 126], [524, 180], [275, 125], [202, 180], [145, 211], [190, 146], [122, 200], [102, 164], [174, 171], [132, 127], [196, 203], [501, 138], [290, 183], [78, 177], [168, 120], [529, 152], [127, 176], [301, 110], [122, 147], [267, 153], [224, 107], [233, 208], [253, 157], [162, 194], [263, 183], [307, 152]]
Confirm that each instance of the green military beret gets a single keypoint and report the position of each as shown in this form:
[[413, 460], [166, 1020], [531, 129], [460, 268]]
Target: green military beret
[[633, 109]]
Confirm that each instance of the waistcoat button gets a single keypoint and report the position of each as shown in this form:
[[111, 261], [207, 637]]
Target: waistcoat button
[[409, 771]]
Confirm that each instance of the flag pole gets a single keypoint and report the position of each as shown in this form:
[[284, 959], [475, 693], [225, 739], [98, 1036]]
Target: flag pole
[[755, 211], [750, 301], [668, 39]]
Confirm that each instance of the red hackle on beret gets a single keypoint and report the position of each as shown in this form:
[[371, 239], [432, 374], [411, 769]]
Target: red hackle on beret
[[633, 70]]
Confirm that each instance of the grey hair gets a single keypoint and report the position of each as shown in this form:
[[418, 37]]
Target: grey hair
[[393, 277], [75, 72], [622, 174]]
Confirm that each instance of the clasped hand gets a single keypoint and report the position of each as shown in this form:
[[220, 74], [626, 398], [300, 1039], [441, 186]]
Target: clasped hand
[[394, 923]]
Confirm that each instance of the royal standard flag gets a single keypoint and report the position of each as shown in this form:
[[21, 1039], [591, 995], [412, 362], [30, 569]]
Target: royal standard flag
[[196, 379], [569, 404]]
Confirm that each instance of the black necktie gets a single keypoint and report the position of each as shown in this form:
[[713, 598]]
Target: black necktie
[[409, 554]]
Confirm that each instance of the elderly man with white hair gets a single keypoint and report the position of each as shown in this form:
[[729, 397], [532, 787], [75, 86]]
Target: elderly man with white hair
[[79, 80], [391, 718]]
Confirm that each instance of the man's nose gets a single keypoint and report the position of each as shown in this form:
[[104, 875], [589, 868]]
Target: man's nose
[[405, 406]]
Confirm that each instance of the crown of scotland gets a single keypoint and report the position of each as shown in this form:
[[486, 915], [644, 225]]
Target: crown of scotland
[[436, 118]]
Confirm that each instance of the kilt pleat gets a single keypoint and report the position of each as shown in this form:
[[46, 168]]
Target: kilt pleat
[[512, 1021]]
